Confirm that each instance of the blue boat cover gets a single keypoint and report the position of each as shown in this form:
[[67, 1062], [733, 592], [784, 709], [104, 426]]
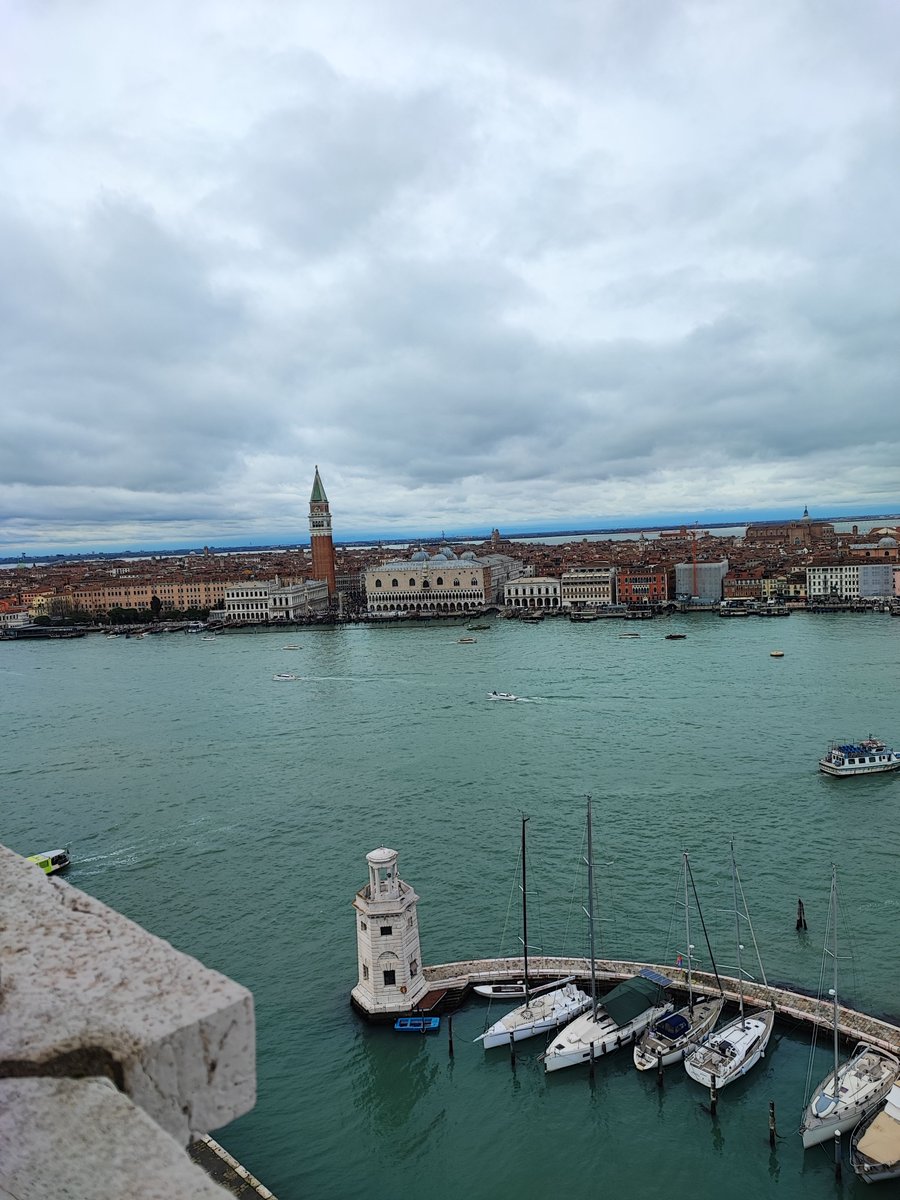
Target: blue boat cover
[[674, 1026]]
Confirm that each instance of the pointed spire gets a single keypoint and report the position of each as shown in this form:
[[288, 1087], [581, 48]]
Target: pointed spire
[[318, 492]]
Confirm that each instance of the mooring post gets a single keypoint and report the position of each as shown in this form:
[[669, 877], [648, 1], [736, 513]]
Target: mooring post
[[801, 915], [512, 1051], [773, 1132], [837, 1154], [450, 1035], [659, 1069], [591, 1065], [713, 1099]]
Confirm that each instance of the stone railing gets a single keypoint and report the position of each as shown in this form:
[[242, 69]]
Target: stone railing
[[116, 1050]]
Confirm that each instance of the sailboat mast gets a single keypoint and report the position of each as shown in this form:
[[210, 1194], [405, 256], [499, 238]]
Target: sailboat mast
[[590, 866], [834, 987], [687, 934], [737, 925], [524, 915]]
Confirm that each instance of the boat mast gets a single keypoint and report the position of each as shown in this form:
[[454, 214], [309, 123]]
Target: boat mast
[[524, 916], [834, 990], [590, 867], [737, 925], [687, 934]]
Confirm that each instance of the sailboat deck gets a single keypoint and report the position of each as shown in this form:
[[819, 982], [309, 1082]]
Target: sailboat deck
[[788, 1003]]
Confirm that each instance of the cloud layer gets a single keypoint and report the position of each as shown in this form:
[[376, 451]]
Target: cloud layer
[[485, 265]]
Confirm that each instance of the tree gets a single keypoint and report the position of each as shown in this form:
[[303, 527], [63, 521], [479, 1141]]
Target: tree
[[155, 607]]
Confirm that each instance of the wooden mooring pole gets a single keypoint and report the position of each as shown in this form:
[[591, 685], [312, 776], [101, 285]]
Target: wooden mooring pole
[[450, 1035], [512, 1051], [801, 915], [837, 1155], [713, 1099], [773, 1132], [659, 1069]]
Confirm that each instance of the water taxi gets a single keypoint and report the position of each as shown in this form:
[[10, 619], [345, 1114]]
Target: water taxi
[[51, 861], [284, 676], [867, 757], [501, 696]]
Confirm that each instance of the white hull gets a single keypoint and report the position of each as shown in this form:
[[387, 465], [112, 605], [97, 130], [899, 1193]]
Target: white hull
[[869, 769], [734, 1050], [652, 1044], [863, 1082], [541, 1014], [875, 1145], [585, 1038], [500, 991]]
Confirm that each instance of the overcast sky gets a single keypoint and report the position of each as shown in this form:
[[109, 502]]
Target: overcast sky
[[486, 263]]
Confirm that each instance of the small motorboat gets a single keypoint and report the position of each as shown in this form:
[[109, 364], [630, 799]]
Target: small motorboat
[[675, 637], [501, 696], [467, 641], [290, 647], [284, 676], [417, 1024], [629, 635], [51, 861], [500, 991], [776, 654]]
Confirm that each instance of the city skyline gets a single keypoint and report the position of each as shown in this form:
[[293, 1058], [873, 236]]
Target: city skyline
[[602, 266]]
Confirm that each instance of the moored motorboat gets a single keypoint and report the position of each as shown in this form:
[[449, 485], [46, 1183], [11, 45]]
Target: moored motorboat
[[417, 1024], [875, 1144], [869, 756], [500, 991], [51, 861]]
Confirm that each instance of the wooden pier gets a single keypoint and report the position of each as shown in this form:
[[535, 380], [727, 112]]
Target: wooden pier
[[457, 978]]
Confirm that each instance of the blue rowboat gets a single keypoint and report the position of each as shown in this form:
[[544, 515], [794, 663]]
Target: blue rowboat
[[417, 1024]]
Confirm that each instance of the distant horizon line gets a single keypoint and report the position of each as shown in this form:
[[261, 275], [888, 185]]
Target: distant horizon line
[[406, 537]]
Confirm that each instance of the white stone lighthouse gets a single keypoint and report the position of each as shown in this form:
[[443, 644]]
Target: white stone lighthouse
[[387, 941]]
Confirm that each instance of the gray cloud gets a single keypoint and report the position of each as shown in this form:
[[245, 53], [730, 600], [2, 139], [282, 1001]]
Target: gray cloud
[[483, 265]]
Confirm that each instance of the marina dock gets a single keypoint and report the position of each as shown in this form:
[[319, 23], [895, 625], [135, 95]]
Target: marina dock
[[449, 983]]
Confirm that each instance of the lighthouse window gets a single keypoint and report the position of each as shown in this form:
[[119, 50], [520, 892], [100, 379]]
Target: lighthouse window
[[365, 970], [390, 978], [363, 925], [387, 930], [414, 968]]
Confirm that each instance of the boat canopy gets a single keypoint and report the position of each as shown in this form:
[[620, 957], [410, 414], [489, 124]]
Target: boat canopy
[[631, 998], [674, 1026]]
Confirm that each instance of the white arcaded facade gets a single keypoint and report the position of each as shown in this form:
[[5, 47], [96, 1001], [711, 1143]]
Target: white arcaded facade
[[390, 976]]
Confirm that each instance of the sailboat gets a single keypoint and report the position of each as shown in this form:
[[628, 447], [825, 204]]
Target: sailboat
[[854, 1087], [738, 1046], [678, 1034], [626, 1011], [544, 1008]]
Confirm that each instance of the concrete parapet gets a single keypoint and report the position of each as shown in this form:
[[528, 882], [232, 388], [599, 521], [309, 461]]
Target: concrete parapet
[[83, 1139], [85, 992]]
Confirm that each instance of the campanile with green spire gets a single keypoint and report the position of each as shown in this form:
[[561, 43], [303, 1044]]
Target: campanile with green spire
[[320, 542]]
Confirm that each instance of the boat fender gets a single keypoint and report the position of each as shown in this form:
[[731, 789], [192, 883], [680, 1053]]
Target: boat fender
[[403, 989]]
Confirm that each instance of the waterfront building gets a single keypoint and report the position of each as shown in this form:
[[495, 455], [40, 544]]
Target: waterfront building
[[538, 591], [835, 581], [645, 585], [123, 593], [587, 587], [260, 601], [877, 579], [700, 581], [320, 540], [389, 958], [744, 584], [443, 582]]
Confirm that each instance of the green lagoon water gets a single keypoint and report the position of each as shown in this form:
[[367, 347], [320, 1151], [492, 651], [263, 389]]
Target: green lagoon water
[[231, 815]]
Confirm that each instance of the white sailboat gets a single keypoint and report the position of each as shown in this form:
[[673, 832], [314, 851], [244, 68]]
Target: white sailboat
[[855, 1087], [626, 1011], [739, 1045], [675, 1036], [544, 1009]]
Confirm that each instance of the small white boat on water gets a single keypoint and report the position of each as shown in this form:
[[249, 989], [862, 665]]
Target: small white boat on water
[[284, 676], [867, 757], [856, 1086], [501, 696], [500, 991], [875, 1145], [544, 1008], [736, 1047]]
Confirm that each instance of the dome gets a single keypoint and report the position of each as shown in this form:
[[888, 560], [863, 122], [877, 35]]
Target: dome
[[468, 555], [887, 541], [420, 556], [447, 552]]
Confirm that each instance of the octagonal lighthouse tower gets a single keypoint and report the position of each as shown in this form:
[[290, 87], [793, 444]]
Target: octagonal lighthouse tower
[[387, 941]]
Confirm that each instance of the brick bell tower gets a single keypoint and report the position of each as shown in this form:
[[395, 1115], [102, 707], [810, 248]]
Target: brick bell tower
[[320, 542]]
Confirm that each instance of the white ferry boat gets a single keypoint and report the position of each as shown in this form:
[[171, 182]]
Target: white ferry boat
[[866, 757]]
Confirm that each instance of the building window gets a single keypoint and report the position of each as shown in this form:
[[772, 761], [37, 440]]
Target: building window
[[413, 968], [387, 930], [409, 923], [363, 925], [394, 583], [440, 581], [365, 970], [390, 978], [378, 583]]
